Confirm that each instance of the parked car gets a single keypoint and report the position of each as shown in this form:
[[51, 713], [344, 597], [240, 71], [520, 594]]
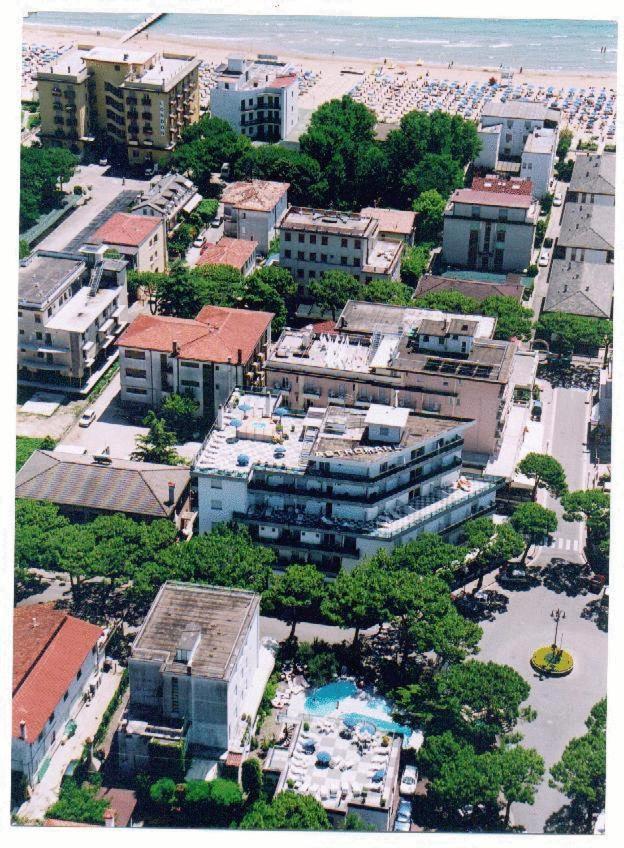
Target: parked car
[[216, 222], [198, 242], [513, 575], [87, 418], [544, 259], [536, 411], [557, 201], [409, 780], [403, 820], [103, 162]]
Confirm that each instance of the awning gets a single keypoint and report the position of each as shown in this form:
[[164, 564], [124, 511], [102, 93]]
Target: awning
[[193, 203]]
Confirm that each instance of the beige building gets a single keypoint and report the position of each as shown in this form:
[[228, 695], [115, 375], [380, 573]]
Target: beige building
[[138, 101], [393, 223], [423, 359], [252, 210], [313, 241], [140, 239], [233, 252]]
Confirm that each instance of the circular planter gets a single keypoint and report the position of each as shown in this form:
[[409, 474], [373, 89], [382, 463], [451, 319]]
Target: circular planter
[[554, 664]]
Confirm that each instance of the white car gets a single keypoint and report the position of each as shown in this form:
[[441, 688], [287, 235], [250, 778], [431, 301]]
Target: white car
[[87, 418], [103, 163], [544, 259], [198, 242], [557, 200], [409, 781]]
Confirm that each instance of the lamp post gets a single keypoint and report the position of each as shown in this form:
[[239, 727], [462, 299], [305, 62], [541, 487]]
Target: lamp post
[[557, 615]]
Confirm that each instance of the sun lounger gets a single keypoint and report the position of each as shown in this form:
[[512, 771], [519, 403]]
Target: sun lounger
[[333, 790]]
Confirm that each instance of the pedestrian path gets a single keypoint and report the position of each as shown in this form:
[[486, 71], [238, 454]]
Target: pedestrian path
[[557, 543]]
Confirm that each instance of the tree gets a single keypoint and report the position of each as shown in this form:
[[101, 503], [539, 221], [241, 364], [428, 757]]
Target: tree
[[353, 822], [273, 162], [278, 279], [205, 146], [35, 524], [216, 803], [296, 593], [252, 779], [569, 332], [581, 772], [182, 238], [175, 293], [466, 779], [521, 772], [448, 300], [333, 290], [207, 209], [356, 598], [287, 811], [43, 170], [163, 794], [71, 550], [158, 444], [323, 667], [512, 319], [566, 137], [24, 249], [547, 473], [383, 290], [437, 172], [429, 208], [179, 412], [533, 521], [415, 262], [78, 804], [149, 282]]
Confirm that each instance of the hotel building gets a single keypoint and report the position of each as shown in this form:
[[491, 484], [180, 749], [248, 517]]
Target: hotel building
[[135, 101]]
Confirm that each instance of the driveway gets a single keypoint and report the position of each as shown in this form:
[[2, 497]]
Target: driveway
[[562, 705]]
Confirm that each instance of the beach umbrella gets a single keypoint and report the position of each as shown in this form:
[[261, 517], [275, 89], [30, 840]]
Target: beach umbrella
[[378, 776], [242, 459], [280, 411], [323, 757], [308, 746], [245, 407], [235, 422]]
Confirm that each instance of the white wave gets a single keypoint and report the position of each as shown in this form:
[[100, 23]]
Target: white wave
[[418, 41], [501, 45]]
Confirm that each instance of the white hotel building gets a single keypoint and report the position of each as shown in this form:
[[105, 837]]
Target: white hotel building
[[335, 484]]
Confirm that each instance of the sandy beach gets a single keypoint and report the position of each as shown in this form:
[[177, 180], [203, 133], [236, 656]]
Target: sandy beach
[[333, 82]]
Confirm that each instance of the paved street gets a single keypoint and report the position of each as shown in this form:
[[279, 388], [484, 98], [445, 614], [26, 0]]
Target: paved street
[[562, 705], [552, 231]]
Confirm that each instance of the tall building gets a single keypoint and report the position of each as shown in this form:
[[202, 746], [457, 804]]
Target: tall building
[[257, 98], [505, 127], [337, 484], [313, 241], [71, 308], [491, 226], [197, 673], [431, 361], [137, 101]]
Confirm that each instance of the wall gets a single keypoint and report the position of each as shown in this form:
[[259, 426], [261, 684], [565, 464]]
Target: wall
[[538, 167], [489, 154], [516, 248]]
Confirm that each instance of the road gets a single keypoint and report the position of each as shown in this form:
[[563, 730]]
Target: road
[[552, 231]]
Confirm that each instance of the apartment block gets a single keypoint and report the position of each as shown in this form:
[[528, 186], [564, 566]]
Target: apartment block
[[593, 179], [397, 224], [258, 98], [430, 361], [505, 127], [491, 226], [196, 671], [57, 661], [538, 159], [338, 483], [71, 308], [141, 240], [313, 241], [239, 254], [206, 356], [587, 233], [253, 209], [171, 197], [135, 101]]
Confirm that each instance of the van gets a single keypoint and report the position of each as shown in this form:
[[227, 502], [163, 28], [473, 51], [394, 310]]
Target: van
[[536, 411]]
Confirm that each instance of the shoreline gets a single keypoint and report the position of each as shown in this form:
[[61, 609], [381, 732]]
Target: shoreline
[[216, 50]]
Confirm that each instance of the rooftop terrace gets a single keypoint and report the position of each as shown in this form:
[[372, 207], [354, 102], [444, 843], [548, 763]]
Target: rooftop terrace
[[367, 318], [44, 276], [329, 221]]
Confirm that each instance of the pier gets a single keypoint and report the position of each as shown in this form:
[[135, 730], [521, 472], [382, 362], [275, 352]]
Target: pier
[[142, 26]]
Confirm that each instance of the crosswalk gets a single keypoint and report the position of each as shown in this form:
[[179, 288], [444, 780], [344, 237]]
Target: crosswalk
[[557, 543]]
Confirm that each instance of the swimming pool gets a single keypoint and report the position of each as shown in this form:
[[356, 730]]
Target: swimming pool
[[344, 696]]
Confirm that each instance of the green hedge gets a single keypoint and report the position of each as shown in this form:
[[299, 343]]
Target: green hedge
[[110, 709]]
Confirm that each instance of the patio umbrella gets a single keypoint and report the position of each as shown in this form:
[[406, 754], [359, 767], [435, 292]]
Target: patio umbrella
[[280, 410], [378, 776], [235, 422], [308, 746], [245, 407], [349, 722], [323, 757], [242, 459]]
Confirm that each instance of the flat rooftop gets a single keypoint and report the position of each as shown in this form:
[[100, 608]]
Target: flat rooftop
[[521, 110], [328, 221], [119, 55], [43, 276], [366, 318], [540, 141], [220, 617], [250, 427], [165, 68], [383, 257], [81, 310]]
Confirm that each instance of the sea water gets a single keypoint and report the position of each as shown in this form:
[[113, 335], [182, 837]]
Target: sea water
[[539, 44]]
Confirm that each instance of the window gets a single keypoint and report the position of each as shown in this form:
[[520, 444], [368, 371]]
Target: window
[[39, 336], [134, 354], [216, 504], [287, 254], [79, 675], [324, 240], [286, 236], [344, 242], [358, 244], [65, 696], [190, 383], [323, 257], [174, 694], [37, 319], [192, 365], [132, 390], [500, 236], [312, 257], [300, 273], [301, 238], [136, 372], [312, 239], [300, 254], [343, 260], [312, 274], [216, 484]]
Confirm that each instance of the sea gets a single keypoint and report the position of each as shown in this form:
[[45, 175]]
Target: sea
[[558, 45]]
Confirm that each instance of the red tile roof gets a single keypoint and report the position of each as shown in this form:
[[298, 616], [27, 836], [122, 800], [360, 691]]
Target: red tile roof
[[491, 198], [218, 333], [391, 220], [283, 82], [49, 647], [496, 184], [122, 802], [233, 759], [255, 195], [126, 229], [324, 327], [479, 289], [228, 251]]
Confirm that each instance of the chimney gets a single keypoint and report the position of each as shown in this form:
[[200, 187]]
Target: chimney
[[109, 817], [69, 69], [240, 356], [171, 492], [220, 417], [23, 731], [34, 621], [175, 348], [126, 57]]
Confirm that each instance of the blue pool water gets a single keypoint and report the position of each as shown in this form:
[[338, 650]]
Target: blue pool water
[[375, 709]]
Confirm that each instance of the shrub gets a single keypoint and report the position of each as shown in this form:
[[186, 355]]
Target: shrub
[[306, 726], [251, 779], [78, 804], [532, 270], [322, 668], [78, 189]]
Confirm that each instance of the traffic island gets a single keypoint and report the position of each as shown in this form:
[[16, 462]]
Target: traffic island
[[552, 661]]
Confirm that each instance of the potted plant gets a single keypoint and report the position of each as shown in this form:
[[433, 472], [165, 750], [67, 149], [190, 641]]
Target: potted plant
[[306, 726]]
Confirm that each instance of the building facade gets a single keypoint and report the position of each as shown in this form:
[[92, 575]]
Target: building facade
[[194, 674], [258, 98], [141, 240], [538, 160], [516, 120], [57, 660], [431, 361], [135, 101], [337, 484], [206, 356], [587, 233], [313, 241], [489, 229], [71, 308], [170, 197], [253, 209], [593, 179]]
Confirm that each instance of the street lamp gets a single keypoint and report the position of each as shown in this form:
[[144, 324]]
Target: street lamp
[[557, 615]]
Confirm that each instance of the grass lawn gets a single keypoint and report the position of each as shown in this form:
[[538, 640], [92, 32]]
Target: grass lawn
[[25, 445]]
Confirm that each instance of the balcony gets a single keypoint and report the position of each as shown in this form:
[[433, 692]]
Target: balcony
[[311, 391], [288, 539]]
